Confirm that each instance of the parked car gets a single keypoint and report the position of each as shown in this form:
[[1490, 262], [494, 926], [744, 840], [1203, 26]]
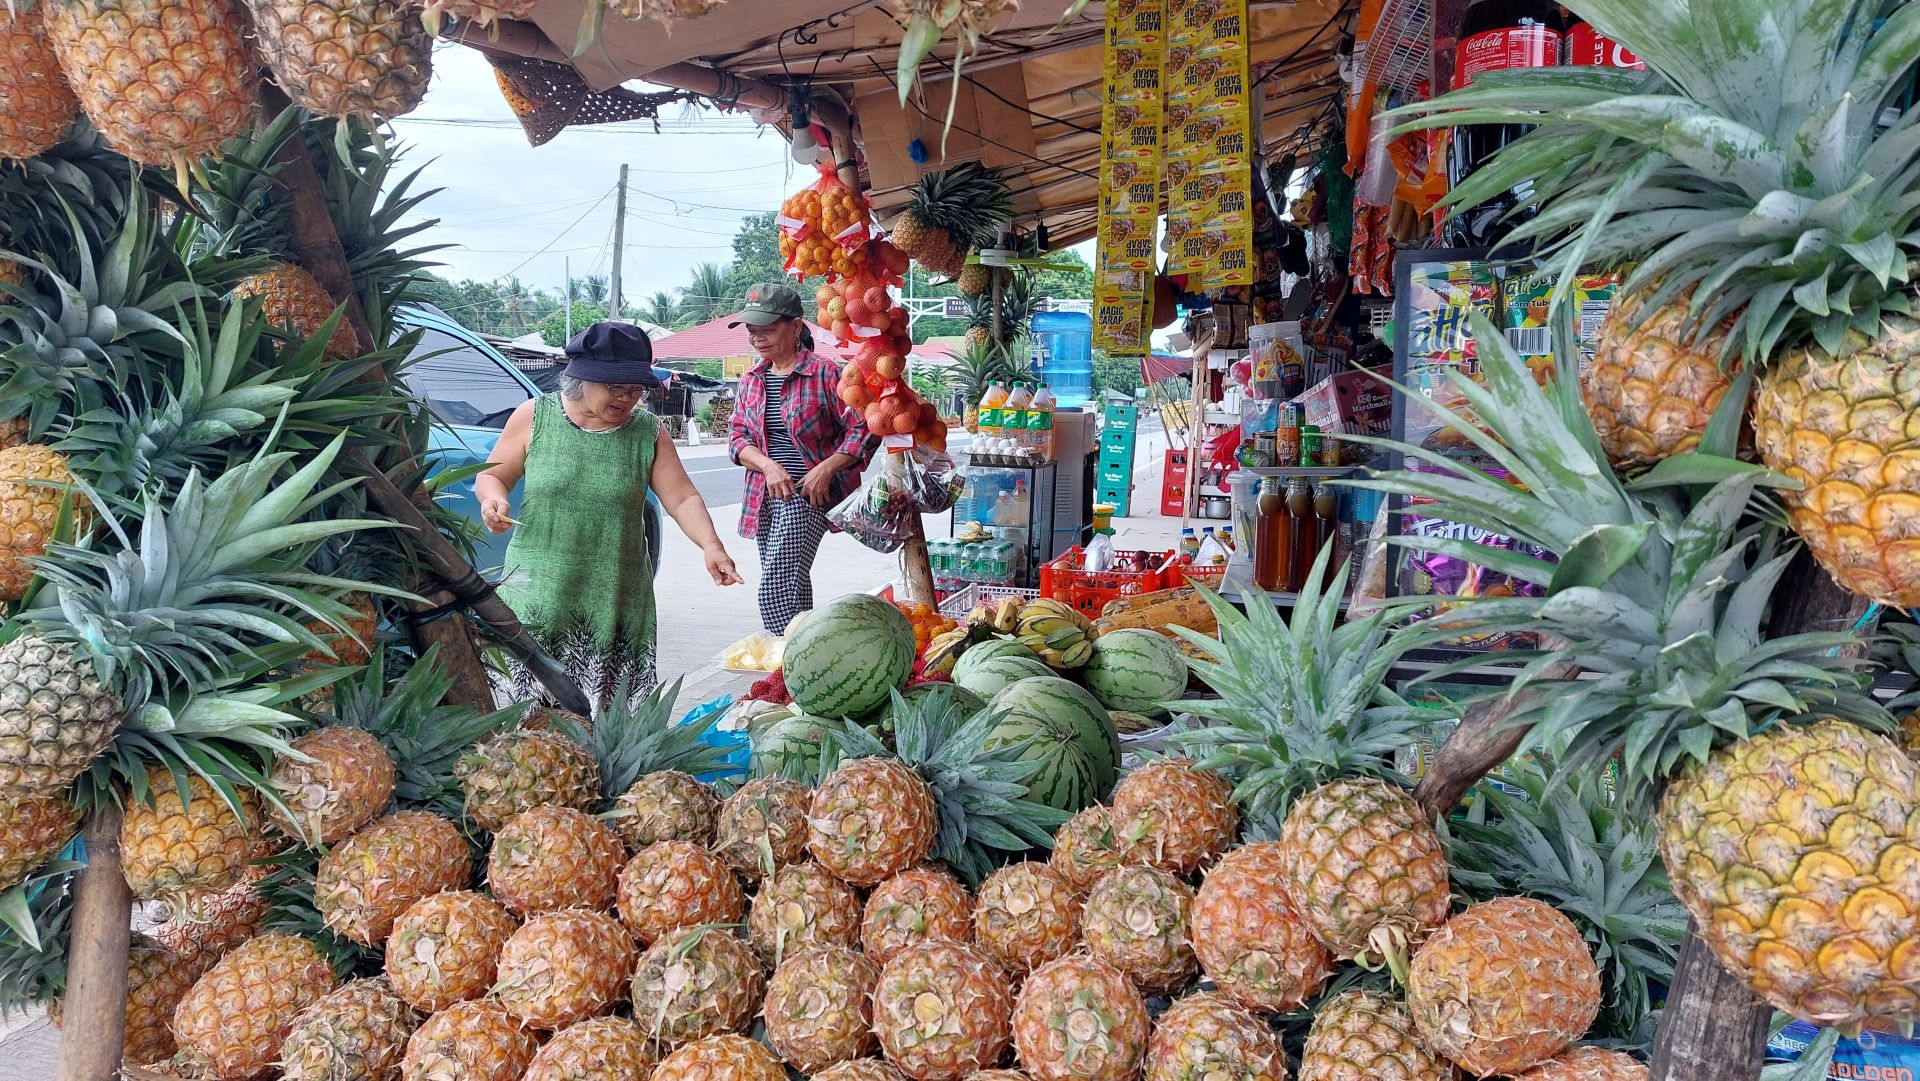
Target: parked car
[[473, 389]]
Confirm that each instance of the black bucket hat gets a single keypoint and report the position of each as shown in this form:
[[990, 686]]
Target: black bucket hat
[[609, 352]]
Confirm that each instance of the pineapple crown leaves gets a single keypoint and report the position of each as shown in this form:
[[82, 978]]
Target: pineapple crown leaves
[[635, 734], [1301, 702], [1658, 587], [1753, 163], [374, 208], [980, 791], [969, 201], [35, 931]]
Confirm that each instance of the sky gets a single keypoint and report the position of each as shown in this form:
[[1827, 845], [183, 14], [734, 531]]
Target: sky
[[510, 208]]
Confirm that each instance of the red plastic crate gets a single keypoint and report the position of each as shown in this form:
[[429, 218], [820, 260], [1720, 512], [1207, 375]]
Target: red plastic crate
[[1180, 574], [1089, 591], [1173, 483]]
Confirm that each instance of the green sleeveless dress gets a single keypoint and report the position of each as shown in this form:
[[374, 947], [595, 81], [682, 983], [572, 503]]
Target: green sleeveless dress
[[577, 570]]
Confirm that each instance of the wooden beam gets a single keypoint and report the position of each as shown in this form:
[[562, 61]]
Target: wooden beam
[[94, 1026]]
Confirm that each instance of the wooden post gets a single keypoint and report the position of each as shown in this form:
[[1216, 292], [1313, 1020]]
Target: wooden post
[[1196, 424], [94, 1022]]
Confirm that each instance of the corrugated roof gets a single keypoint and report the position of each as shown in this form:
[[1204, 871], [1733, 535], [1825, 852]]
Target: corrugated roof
[[715, 341]]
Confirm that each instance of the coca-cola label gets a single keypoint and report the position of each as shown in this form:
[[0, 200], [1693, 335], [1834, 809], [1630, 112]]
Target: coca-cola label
[[1589, 47], [1506, 47]]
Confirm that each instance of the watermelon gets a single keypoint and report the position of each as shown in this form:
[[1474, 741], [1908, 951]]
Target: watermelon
[[1135, 670], [982, 652], [789, 747], [848, 656], [989, 677], [1071, 731], [969, 702]]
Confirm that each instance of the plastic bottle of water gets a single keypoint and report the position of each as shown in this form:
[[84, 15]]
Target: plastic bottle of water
[[1013, 415]]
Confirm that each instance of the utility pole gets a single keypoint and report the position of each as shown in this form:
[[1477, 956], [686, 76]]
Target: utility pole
[[619, 242], [568, 263]]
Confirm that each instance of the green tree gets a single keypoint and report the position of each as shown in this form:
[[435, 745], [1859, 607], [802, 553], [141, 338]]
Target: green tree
[[1115, 373], [756, 255], [707, 295], [591, 289], [1074, 284], [662, 308], [553, 328], [711, 369]]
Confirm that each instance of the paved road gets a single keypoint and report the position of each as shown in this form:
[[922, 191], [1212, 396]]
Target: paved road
[[720, 481]]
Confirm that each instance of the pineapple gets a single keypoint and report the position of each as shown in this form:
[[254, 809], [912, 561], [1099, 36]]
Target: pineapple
[[35, 484], [1088, 846], [1652, 388], [167, 846], [694, 984], [1137, 922], [597, 1049], [1368, 1036], [208, 923], [865, 1069], [818, 1009], [1180, 817], [40, 107], [802, 907], [763, 826], [1587, 1064], [976, 367], [366, 883], [1079, 1019], [518, 771], [871, 819], [941, 1011], [666, 806], [551, 858], [469, 1041], [165, 81], [1503, 986], [917, 905], [352, 648], [346, 783], [33, 830], [1206, 1036], [232, 1022], [295, 301], [998, 1075], [564, 967], [359, 1031], [976, 280], [157, 979], [675, 885], [15, 431], [485, 13], [949, 212], [1248, 934], [444, 949], [721, 1058], [1367, 868], [370, 61], [1027, 914]]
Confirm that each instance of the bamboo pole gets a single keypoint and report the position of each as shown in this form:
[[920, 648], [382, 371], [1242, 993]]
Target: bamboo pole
[[1196, 424], [94, 1022]]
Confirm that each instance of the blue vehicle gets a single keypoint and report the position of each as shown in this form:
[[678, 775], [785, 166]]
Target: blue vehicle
[[472, 389]]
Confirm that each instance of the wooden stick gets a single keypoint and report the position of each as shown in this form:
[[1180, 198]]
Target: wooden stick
[[1483, 741], [94, 1022], [1196, 423]]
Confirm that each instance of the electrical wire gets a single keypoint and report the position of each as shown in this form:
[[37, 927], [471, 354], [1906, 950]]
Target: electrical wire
[[1088, 174], [1338, 14], [562, 233]]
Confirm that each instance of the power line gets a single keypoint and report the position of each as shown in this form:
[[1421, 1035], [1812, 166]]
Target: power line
[[562, 233]]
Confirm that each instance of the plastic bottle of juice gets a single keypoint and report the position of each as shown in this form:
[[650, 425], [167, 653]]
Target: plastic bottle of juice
[[1040, 423], [1013, 415], [1189, 545], [991, 406]]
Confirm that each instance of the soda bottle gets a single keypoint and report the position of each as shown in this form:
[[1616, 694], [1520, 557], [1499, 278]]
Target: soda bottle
[[1013, 415], [991, 407], [1040, 423], [1496, 35], [1189, 545]]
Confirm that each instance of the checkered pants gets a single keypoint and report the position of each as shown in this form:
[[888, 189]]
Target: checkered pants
[[790, 533]]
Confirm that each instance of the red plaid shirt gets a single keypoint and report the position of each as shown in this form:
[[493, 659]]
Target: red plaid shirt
[[819, 425]]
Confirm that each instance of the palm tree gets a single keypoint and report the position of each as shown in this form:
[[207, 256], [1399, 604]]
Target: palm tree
[[591, 289], [706, 296], [662, 308]]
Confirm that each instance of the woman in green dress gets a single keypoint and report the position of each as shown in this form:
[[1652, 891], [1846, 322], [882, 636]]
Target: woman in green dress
[[578, 572]]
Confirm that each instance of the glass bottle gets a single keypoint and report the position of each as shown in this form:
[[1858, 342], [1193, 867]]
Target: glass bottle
[[1303, 531], [1326, 514], [1273, 537]]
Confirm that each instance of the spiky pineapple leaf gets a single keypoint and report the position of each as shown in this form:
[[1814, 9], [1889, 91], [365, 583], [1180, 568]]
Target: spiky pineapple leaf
[[636, 734], [35, 929]]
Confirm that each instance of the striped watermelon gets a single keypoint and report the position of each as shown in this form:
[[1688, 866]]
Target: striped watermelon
[[991, 676], [848, 656], [982, 652], [1135, 670], [1072, 732], [969, 702], [789, 747]]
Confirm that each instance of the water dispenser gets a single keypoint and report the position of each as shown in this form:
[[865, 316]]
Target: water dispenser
[[1063, 355]]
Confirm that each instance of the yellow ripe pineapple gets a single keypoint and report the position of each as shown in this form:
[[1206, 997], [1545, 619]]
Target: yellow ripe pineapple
[[1179, 816], [295, 301], [40, 106], [997, 1075], [32, 493], [157, 979], [763, 826], [371, 61], [942, 1010], [358, 1031], [208, 923], [1652, 388], [1027, 914], [1368, 1036], [1088, 846], [445, 948], [1079, 1019], [365, 883], [168, 846], [469, 1041], [871, 819], [666, 805], [33, 830], [675, 885], [1503, 986], [1137, 921], [1588, 1064], [1207, 1036], [597, 1049], [818, 1009], [518, 771], [694, 984], [1367, 868], [864, 1069], [346, 783], [564, 967], [164, 81], [976, 280], [919, 904], [350, 648], [721, 1058], [483, 12], [232, 1022], [1248, 934], [553, 858], [802, 907]]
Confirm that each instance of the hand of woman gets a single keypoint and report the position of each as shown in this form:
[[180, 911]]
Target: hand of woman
[[497, 515], [817, 485], [779, 482], [720, 567]]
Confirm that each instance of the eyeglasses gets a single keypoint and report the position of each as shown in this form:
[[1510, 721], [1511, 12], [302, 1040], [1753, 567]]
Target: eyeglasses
[[625, 390]]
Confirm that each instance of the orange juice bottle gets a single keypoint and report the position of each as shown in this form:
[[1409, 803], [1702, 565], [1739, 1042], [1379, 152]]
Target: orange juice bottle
[[992, 408]]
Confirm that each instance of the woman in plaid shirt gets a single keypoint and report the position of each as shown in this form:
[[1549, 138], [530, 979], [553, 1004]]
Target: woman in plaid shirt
[[803, 450]]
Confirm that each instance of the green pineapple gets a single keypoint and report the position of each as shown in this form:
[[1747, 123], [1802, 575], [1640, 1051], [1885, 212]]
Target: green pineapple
[[636, 737]]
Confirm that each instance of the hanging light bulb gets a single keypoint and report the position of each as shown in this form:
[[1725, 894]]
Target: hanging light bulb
[[805, 147]]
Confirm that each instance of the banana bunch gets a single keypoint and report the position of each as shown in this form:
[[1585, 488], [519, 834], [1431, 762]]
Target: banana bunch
[[1001, 618], [943, 652], [1061, 636]]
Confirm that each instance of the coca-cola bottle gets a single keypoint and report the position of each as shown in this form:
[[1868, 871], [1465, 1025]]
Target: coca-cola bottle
[[1496, 35], [1589, 47]]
